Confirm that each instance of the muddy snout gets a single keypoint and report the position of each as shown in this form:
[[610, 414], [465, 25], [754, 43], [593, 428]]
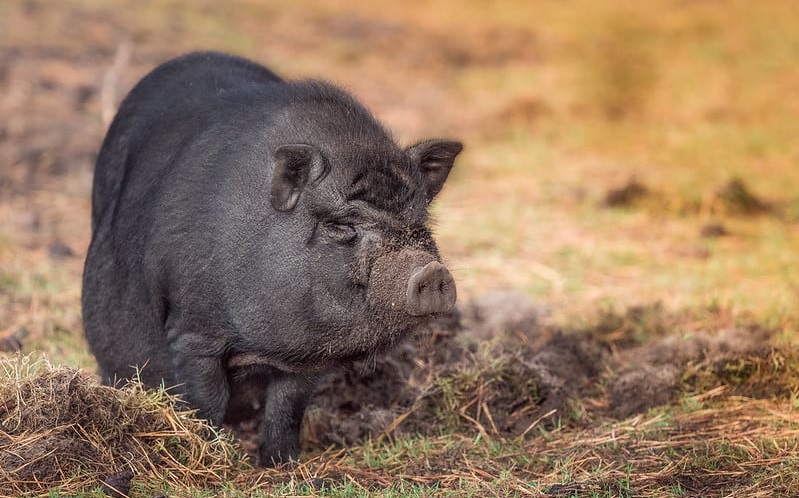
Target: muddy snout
[[413, 282], [430, 290]]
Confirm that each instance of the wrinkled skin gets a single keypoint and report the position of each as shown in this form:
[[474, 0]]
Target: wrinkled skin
[[249, 234]]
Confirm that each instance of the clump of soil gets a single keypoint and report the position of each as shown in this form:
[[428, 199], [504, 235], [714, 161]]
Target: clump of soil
[[642, 387], [713, 230], [365, 399], [626, 195], [736, 198], [61, 428], [11, 340], [770, 372]]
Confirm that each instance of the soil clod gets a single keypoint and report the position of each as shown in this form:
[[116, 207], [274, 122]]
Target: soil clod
[[737, 198], [713, 230], [117, 485], [626, 195]]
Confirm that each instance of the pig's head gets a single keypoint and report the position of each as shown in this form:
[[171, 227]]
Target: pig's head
[[368, 272]]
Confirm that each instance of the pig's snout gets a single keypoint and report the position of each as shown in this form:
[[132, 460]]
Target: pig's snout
[[411, 282], [431, 289]]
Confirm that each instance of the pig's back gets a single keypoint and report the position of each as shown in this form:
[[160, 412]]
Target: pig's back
[[163, 110]]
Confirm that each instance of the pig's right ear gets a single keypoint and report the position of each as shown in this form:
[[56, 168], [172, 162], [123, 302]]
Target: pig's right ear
[[295, 164]]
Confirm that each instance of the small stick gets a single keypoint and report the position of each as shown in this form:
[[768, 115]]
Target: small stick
[[536, 421], [110, 80]]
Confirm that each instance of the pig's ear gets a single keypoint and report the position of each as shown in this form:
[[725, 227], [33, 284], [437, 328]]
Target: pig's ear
[[295, 165], [435, 158]]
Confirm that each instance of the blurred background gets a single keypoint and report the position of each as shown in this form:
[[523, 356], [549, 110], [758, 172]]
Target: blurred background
[[617, 153]]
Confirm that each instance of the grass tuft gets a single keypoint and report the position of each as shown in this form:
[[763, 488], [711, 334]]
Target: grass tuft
[[488, 393]]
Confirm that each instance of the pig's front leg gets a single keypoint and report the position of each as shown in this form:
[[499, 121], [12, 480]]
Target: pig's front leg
[[200, 374], [287, 396]]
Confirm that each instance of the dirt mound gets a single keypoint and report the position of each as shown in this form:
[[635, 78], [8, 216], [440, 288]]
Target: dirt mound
[[735, 197], [655, 374], [506, 388], [489, 367], [61, 428], [626, 195]]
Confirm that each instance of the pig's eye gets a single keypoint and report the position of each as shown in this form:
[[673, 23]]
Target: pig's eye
[[342, 233]]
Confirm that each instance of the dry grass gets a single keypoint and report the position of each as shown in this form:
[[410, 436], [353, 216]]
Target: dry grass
[[744, 448], [741, 447], [61, 429]]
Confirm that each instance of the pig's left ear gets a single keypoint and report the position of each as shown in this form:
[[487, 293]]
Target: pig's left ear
[[435, 158], [295, 166]]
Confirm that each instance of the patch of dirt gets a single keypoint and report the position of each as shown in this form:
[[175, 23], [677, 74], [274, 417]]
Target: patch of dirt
[[497, 366], [484, 368], [637, 389], [491, 367], [652, 375], [494, 366]]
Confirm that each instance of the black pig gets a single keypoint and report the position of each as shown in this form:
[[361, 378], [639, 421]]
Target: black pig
[[249, 233]]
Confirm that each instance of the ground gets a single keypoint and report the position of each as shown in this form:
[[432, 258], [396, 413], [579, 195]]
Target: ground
[[623, 228]]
